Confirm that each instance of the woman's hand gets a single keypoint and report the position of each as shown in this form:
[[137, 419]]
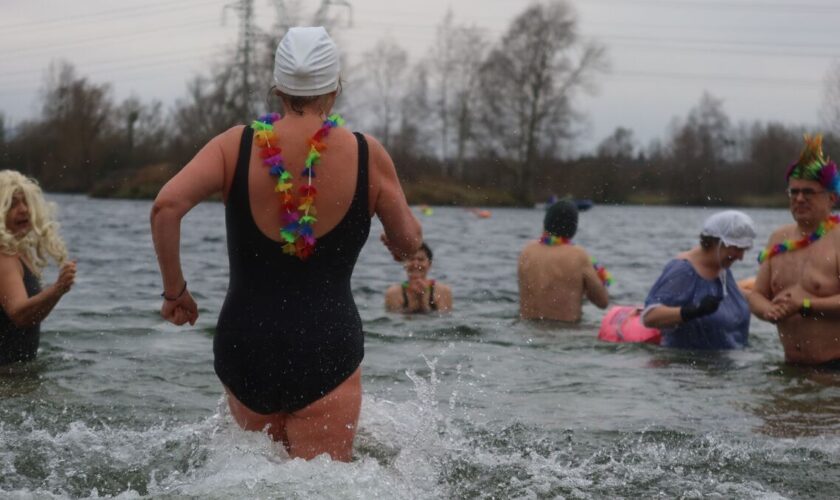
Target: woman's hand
[[181, 310], [66, 277], [418, 287]]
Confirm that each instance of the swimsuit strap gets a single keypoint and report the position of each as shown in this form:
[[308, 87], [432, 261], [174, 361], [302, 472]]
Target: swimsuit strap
[[432, 303], [238, 194]]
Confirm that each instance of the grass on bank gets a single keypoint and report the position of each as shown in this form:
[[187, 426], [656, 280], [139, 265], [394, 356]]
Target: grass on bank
[[145, 183]]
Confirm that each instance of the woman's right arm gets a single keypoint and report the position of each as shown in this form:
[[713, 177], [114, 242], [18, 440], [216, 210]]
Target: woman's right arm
[[674, 286], [403, 234], [662, 317], [25, 311], [202, 177]]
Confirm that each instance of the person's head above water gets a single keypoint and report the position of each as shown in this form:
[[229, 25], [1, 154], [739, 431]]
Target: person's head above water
[[730, 227], [561, 219], [306, 63], [29, 225], [417, 266], [812, 165]]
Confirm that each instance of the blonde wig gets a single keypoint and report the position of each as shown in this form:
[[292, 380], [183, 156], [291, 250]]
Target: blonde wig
[[43, 240]]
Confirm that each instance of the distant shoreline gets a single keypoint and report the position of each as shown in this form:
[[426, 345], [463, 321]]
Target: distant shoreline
[[146, 182]]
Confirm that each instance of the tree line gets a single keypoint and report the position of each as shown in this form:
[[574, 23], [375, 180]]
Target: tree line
[[477, 121]]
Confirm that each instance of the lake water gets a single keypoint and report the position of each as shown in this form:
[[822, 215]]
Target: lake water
[[476, 404]]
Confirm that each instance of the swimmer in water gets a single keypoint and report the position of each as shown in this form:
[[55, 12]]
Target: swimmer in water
[[289, 342], [27, 238], [696, 302], [419, 294], [556, 275], [797, 286]]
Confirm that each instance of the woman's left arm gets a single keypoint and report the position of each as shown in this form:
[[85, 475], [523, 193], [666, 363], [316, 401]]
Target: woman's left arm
[[444, 298], [202, 177]]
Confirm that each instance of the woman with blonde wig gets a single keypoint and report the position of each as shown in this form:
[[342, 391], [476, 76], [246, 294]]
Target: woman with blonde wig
[[28, 238]]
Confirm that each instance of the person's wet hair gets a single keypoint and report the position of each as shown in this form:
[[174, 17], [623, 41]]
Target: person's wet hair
[[561, 219], [426, 250], [707, 242]]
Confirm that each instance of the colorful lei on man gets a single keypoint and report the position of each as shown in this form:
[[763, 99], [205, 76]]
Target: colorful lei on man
[[296, 219], [551, 240], [812, 165], [790, 245]]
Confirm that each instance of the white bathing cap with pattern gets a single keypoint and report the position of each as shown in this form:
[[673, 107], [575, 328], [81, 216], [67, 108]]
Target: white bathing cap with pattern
[[306, 62], [733, 228]]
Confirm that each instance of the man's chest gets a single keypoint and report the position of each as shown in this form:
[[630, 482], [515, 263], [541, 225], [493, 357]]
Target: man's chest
[[815, 269]]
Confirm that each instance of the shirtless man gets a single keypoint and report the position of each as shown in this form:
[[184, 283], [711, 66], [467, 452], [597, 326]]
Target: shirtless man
[[799, 289], [554, 274]]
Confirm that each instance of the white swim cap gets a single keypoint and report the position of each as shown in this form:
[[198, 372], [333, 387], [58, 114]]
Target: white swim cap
[[733, 228], [306, 62]]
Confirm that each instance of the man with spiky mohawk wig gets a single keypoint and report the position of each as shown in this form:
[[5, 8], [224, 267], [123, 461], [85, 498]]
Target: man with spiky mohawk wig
[[28, 238], [798, 283]]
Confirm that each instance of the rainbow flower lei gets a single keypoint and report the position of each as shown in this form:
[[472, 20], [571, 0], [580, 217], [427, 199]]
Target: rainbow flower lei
[[296, 233], [604, 275], [790, 245]]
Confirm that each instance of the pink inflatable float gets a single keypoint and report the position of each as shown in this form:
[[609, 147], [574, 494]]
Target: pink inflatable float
[[624, 324]]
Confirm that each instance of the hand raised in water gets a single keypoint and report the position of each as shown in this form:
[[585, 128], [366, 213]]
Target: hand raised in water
[[708, 305], [66, 277]]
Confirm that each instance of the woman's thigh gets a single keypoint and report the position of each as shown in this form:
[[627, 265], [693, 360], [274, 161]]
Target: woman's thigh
[[274, 423], [327, 425]]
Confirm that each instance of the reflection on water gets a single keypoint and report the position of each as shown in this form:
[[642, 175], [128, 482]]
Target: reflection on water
[[805, 402], [20, 379], [473, 404]]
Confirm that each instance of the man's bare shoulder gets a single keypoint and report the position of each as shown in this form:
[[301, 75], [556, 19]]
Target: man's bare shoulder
[[782, 233]]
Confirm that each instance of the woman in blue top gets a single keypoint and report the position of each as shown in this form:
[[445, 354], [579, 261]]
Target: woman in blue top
[[696, 301]]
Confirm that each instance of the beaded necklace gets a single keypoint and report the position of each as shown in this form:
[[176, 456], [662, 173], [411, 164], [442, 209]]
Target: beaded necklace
[[790, 245], [550, 240], [296, 219]]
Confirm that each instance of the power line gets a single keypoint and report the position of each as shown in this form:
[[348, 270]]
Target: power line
[[122, 36], [786, 44], [123, 71], [191, 51], [716, 4], [159, 61], [140, 10], [752, 80]]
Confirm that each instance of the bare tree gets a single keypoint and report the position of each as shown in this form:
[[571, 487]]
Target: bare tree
[[528, 84], [78, 111], [410, 141], [470, 48], [700, 146], [831, 99], [442, 71], [386, 64], [619, 145]]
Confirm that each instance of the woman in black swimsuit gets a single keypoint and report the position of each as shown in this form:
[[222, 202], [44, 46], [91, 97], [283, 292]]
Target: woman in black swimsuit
[[28, 236], [419, 294], [289, 339]]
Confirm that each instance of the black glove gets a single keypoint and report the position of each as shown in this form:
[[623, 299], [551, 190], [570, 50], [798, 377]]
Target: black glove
[[708, 305]]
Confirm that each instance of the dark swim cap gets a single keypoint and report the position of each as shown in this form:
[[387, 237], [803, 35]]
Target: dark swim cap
[[561, 219]]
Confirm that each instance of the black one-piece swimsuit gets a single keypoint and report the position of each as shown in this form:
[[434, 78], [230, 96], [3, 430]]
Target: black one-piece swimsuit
[[289, 331], [20, 344]]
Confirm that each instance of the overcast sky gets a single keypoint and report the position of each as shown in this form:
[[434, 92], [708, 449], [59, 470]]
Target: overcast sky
[[765, 58]]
